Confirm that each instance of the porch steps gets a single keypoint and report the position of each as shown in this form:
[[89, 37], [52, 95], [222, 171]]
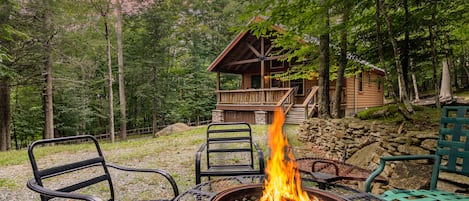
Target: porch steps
[[296, 115]]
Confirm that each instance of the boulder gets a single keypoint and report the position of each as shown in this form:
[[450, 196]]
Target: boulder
[[363, 157], [177, 127]]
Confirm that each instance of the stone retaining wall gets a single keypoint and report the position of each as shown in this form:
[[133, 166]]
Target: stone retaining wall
[[362, 143]]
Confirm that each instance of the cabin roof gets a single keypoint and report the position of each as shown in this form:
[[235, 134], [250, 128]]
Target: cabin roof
[[242, 55]]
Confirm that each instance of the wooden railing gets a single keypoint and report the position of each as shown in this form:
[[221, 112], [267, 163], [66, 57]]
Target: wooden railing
[[310, 102], [287, 101], [270, 96]]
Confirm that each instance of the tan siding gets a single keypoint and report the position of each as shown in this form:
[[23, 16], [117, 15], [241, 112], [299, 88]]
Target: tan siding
[[369, 97]]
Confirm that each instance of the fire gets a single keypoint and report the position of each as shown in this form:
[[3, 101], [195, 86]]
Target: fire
[[283, 181]]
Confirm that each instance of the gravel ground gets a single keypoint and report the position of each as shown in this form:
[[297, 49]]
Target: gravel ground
[[175, 156]]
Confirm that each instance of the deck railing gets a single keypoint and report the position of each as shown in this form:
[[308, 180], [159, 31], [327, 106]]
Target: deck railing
[[310, 102], [270, 96], [287, 101]]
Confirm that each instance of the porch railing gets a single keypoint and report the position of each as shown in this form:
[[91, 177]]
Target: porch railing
[[270, 96], [287, 101], [310, 102]]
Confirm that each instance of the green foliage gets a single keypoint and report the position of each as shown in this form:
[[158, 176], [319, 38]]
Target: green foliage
[[424, 116]]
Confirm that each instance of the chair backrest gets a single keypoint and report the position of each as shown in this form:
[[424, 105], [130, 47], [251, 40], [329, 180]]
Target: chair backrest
[[50, 173], [452, 149], [453, 141], [229, 144]]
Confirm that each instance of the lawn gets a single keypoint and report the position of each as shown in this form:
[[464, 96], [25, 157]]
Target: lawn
[[174, 153]]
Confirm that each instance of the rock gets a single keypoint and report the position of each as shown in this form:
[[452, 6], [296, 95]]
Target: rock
[[412, 150], [408, 175], [402, 140], [426, 135], [177, 127], [364, 156], [456, 178], [429, 144]]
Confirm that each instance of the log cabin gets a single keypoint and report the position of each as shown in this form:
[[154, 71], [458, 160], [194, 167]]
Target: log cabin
[[252, 58]]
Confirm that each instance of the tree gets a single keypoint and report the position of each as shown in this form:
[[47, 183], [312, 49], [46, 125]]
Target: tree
[[397, 58], [323, 70], [48, 61], [5, 114], [446, 94], [342, 61], [103, 8], [120, 62]]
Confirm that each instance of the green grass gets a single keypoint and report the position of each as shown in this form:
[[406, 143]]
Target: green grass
[[140, 147], [8, 183], [464, 94]]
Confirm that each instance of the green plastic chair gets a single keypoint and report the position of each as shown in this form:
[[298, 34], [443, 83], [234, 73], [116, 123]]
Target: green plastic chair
[[451, 155]]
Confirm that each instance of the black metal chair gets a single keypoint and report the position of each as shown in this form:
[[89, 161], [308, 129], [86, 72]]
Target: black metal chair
[[229, 152], [79, 179], [452, 155]]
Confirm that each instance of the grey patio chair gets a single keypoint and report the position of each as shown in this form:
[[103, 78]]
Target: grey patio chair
[[93, 173], [229, 151]]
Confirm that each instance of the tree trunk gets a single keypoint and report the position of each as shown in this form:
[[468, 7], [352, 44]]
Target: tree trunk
[[5, 114], [382, 61], [155, 101], [414, 82], [406, 49], [110, 80], [342, 65], [434, 54], [397, 60], [323, 79], [120, 62], [464, 67], [48, 97], [445, 90]]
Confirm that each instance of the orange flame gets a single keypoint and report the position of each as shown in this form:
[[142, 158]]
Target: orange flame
[[283, 181]]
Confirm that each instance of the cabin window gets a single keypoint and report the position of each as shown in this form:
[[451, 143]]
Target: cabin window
[[360, 81], [276, 64], [300, 84], [379, 85], [275, 82], [256, 81]]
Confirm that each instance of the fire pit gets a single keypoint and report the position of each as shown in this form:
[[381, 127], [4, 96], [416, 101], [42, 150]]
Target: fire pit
[[217, 189], [254, 192], [282, 182]]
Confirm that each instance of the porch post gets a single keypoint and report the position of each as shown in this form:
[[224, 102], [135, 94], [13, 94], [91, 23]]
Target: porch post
[[218, 87], [262, 58], [262, 63]]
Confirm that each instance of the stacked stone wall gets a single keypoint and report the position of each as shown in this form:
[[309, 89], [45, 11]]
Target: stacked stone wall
[[362, 143]]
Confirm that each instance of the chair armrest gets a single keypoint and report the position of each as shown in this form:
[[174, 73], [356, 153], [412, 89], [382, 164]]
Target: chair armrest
[[384, 159], [157, 171], [198, 156], [260, 155], [32, 184]]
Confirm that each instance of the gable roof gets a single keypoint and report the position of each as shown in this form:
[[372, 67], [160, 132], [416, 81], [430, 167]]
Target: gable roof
[[239, 56]]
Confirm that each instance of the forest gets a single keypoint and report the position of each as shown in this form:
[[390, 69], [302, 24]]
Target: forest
[[74, 67]]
